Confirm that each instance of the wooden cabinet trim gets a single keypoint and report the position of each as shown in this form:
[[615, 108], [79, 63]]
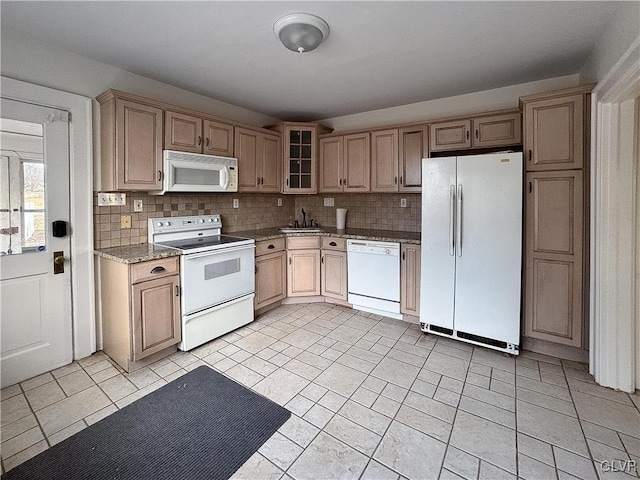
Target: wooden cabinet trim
[[270, 246], [297, 243]]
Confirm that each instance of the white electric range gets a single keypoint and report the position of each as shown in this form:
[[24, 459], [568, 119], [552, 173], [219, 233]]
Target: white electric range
[[217, 276]]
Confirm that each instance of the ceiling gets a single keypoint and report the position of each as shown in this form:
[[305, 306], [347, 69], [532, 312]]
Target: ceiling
[[377, 55]]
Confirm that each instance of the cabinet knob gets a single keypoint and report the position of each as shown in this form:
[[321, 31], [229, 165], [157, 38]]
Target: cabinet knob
[[476, 133], [177, 290], [271, 246], [289, 260], [401, 181], [404, 255], [160, 175], [467, 134], [322, 259], [333, 244], [395, 180], [207, 141], [158, 269], [199, 140], [344, 181], [530, 154], [340, 181]]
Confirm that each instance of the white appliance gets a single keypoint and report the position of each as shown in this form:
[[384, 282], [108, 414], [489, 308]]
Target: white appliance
[[373, 273], [193, 172], [217, 275], [472, 249]]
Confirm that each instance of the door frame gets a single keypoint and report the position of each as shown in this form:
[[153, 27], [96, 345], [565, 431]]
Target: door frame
[[614, 353], [81, 202]]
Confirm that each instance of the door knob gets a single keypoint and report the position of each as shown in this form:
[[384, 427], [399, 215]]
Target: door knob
[[58, 262]]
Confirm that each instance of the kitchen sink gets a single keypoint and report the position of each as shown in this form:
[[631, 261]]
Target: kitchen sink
[[301, 230]]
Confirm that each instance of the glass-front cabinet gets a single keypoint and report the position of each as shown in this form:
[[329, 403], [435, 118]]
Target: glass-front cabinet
[[300, 155], [300, 163]]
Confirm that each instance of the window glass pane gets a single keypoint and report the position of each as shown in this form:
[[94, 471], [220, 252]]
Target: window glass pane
[[306, 138], [22, 187]]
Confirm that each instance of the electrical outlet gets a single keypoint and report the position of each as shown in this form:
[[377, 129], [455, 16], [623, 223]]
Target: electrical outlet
[[137, 206], [403, 203], [328, 202], [236, 203], [125, 221], [109, 199], [279, 202]]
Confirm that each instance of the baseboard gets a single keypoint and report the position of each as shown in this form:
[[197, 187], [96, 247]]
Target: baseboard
[[262, 310], [410, 319], [555, 350], [295, 300]]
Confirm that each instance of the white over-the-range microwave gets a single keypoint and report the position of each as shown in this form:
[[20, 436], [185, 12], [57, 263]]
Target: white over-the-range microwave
[[196, 173]]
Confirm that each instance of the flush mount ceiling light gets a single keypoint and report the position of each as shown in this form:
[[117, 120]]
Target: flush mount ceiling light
[[301, 32]]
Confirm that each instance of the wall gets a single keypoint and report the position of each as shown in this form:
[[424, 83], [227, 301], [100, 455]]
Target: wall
[[378, 211], [496, 99], [257, 210], [617, 37]]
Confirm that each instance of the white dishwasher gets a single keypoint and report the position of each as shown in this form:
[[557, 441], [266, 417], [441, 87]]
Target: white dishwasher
[[373, 272]]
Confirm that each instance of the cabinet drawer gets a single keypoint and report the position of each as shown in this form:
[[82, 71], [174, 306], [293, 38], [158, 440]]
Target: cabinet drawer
[[270, 246], [334, 243], [297, 243], [163, 266]]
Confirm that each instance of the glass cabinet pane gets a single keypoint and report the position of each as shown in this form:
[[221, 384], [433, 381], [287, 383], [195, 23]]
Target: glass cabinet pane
[[294, 136], [295, 181], [306, 138], [306, 181], [306, 151], [294, 166], [294, 151], [306, 166]]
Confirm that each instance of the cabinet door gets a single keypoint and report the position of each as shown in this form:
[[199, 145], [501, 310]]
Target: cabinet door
[[413, 146], [384, 161], [553, 133], [497, 130], [410, 279], [333, 274], [357, 163], [182, 132], [271, 279], [246, 147], [450, 135], [553, 257], [331, 171], [139, 146], [156, 315], [270, 163], [303, 274], [300, 160], [218, 139]]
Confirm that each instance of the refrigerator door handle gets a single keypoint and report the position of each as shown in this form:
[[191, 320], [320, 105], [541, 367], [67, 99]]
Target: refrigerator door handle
[[459, 222], [452, 216]]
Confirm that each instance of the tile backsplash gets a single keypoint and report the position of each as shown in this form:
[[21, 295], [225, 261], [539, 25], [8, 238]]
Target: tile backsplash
[[256, 211]]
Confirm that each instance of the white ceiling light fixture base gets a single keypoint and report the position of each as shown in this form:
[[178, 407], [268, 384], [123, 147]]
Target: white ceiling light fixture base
[[301, 32]]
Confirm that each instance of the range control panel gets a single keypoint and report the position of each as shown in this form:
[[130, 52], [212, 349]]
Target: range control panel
[[182, 224]]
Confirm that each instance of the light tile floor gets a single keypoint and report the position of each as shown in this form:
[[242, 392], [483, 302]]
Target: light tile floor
[[372, 398]]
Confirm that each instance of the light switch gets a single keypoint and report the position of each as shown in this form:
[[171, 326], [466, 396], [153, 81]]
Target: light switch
[[109, 199], [279, 202], [403, 203], [236, 203]]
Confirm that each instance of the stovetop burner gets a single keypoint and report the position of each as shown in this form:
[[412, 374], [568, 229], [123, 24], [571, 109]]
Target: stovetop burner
[[204, 242]]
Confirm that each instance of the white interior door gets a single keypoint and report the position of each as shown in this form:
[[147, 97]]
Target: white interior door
[[35, 302], [489, 251], [438, 261]]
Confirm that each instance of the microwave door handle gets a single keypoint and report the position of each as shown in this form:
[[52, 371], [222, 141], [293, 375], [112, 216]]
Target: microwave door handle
[[224, 174]]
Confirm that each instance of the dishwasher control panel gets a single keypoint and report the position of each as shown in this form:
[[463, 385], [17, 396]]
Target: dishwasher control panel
[[373, 248]]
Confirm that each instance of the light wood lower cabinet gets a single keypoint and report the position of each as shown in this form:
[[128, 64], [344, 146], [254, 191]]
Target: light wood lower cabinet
[[140, 309], [410, 279], [554, 257], [271, 272], [333, 268], [303, 266]]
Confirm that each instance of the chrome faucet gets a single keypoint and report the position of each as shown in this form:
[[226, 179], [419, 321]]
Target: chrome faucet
[[304, 218]]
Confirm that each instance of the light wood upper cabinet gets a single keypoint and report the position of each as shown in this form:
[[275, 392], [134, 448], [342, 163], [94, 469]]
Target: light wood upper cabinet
[[140, 309], [410, 279], [259, 161], [384, 161], [271, 272], [413, 146], [453, 135], [482, 131], [554, 133], [131, 145], [356, 163], [182, 132], [218, 139], [554, 257], [300, 158], [331, 164], [497, 130], [190, 133], [344, 163]]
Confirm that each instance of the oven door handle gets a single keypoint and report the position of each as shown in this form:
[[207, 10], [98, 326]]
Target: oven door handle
[[209, 253]]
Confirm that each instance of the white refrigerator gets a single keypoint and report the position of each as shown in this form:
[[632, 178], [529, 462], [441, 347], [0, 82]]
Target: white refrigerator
[[472, 249]]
